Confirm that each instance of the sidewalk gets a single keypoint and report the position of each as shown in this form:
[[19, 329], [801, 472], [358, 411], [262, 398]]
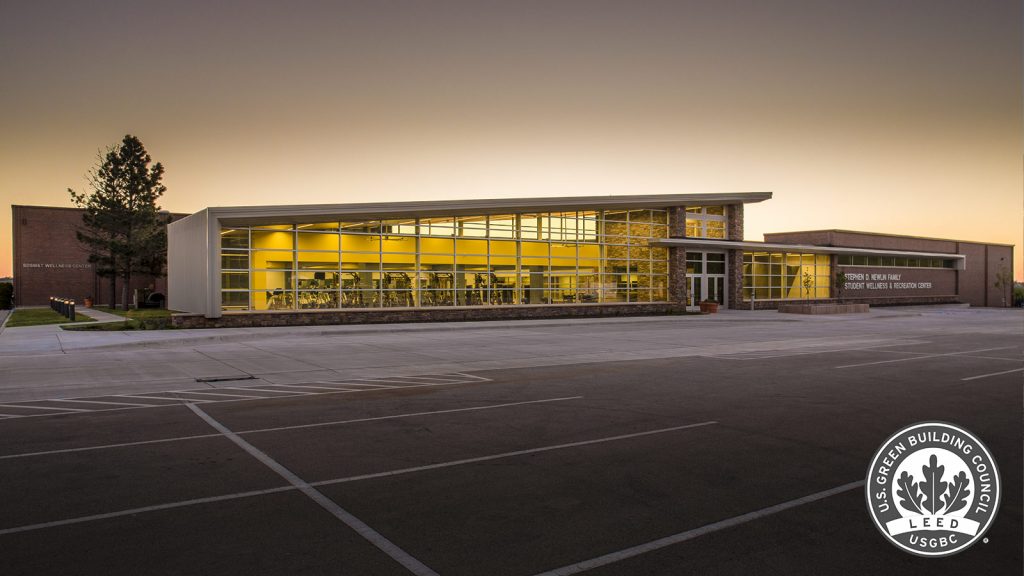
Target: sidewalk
[[43, 339], [100, 316], [50, 339]]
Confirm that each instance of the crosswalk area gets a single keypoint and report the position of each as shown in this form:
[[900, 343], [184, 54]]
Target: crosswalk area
[[263, 391]]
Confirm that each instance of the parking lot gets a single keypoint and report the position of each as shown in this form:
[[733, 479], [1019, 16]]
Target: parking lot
[[740, 450]]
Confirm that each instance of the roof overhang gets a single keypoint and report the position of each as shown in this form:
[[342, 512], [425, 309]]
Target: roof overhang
[[248, 215], [710, 244]]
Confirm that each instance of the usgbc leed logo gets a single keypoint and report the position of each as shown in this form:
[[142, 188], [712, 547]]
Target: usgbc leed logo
[[933, 489]]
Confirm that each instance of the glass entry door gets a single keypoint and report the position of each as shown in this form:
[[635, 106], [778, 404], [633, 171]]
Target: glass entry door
[[705, 277], [694, 289]]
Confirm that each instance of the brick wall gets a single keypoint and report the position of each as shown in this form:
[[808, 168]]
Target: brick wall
[[997, 258], [49, 260]]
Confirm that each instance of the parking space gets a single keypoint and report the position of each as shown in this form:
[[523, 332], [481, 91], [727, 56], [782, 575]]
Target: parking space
[[102, 481], [712, 463], [227, 390], [278, 533]]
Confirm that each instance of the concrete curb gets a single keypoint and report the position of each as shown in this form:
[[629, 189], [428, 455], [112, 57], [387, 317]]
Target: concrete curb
[[76, 343], [396, 328]]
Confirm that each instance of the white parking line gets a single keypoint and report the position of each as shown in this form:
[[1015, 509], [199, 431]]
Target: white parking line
[[376, 538], [696, 532], [191, 393], [996, 358], [992, 374], [44, 407], [922, 357], [375, 418], [297, 426], [359, 384], [102, 402], [508, 454], [763, 354], [106, 446], [160, 398], [223, 497], [290, 393], [396, 383], [317, 387], [964, 355], [405, 378], [133, 511], [470, 376], [236, 397]]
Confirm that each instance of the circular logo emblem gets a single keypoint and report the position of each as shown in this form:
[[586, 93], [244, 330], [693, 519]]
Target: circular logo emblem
[[933, 489]]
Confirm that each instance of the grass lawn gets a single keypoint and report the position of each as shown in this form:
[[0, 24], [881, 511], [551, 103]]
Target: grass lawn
[[144, 319], [40, 316]]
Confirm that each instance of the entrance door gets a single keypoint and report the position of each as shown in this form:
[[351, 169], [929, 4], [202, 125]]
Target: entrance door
[[705, 277], [694, 288]]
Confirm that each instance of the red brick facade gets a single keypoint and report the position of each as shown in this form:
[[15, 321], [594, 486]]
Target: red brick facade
[[49, 261]]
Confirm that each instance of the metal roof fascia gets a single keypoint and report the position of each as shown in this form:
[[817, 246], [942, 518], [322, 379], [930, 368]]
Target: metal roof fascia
[[239, 214]]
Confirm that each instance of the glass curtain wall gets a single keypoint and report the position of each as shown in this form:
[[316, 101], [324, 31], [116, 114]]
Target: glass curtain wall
[[510, 259], [785, 276]]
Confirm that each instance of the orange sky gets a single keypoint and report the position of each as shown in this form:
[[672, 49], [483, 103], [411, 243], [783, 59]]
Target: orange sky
[[889, 117]]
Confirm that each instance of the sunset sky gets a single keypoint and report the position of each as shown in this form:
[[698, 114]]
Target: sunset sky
[[896, 116]]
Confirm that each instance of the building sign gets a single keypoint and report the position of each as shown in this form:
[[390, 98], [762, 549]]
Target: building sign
[[885, 282], [48, 265], [860, 281]]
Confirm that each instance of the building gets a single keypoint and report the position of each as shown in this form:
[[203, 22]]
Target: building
[[49, 260], [542, 257], [972, 277]]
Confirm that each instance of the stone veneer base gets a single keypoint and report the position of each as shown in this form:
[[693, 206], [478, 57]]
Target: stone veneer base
[[401, 315]]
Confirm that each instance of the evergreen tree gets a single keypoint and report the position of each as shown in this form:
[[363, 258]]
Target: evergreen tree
[[123, 227]]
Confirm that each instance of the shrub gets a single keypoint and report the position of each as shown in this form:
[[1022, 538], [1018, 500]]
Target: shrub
[[6, 296]]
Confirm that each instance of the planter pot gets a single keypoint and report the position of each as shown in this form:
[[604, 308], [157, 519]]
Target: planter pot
[[709, 307]]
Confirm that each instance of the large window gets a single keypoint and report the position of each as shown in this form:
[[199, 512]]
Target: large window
[[785, 276], [504, 259], [706, 222]]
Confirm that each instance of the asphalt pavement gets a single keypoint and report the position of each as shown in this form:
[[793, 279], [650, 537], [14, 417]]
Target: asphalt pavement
[[724, 448]]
